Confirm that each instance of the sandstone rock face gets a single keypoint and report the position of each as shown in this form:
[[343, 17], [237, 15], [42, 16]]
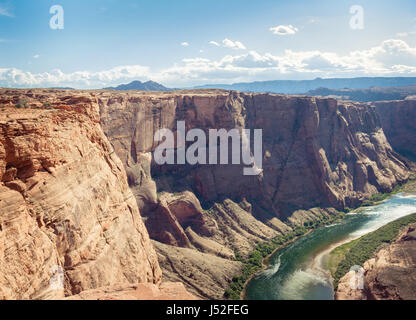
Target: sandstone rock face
[[140, 291], [390, 275], [397, 119], [316, 153], [64, 201], [205, 275], [197, 247], [346, 292]]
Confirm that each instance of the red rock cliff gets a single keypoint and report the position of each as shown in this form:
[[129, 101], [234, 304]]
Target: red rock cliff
[[64, 201], [398, 122], [316, 153]]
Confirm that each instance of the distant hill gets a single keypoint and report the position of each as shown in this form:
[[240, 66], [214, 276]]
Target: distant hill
[[367, 95], [142, 86], [302, 86]]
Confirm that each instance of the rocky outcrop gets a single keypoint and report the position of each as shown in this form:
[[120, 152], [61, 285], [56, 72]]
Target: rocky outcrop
[[198, 247], [205, 275], [169, 219], [390, 275], [397, 119], [140, 291], [316, 153], [65, 206]]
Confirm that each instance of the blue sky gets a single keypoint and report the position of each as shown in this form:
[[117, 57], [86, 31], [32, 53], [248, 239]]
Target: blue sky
[[191, 42]]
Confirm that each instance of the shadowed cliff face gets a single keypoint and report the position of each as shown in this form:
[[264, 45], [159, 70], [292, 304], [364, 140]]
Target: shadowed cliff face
[[65, 196], [317, 152], [64, 201], [397, 118]]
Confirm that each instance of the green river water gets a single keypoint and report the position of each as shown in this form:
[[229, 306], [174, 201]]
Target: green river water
[[299, 271]]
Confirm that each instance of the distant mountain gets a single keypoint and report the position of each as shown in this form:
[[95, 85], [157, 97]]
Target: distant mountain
[[302, 86], [367, 95], [142, 86]]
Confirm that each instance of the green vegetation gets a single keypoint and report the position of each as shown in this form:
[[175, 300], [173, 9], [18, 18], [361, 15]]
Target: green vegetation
[[47, 105], [342, 258], [364, 248], [410, 186], [22, 104], [254, 262], [382, 196], [338, 254]]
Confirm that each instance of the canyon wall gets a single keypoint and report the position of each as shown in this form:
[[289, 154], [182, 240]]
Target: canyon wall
[[65, 206], [68, 158], [318, 154], [397, 119]]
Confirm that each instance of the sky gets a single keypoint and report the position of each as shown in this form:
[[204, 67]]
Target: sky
[[184, 43]]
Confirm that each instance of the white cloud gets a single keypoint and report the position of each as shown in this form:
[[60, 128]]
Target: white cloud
[[12, 77], [5, 12], [227, 43], [284, 30], [236, 45], [185, 44], [391, 58], [36, 56], [214, 43]]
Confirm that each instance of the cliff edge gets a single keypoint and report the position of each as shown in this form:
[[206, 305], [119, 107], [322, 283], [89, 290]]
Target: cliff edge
[[68, 220]]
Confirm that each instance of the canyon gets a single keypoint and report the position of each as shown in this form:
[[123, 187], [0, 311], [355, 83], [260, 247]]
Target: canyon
[[65, 202], [320, 156], [80, 189]]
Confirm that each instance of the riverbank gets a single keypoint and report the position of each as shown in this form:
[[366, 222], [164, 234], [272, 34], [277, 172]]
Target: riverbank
[[299, 265], [258, 260], [408, 187], [389, 273], [340, 255], [266, 264], [358, 251]]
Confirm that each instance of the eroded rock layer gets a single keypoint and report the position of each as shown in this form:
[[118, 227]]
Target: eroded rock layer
[[65, 205], [397, 119], [65, 200], [316, 153], [140, 291]]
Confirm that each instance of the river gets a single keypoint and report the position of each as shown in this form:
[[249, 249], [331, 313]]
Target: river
[[299, 271]]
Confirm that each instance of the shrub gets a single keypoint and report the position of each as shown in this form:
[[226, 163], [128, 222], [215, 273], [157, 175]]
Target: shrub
[[22, 104], [47, 105]]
